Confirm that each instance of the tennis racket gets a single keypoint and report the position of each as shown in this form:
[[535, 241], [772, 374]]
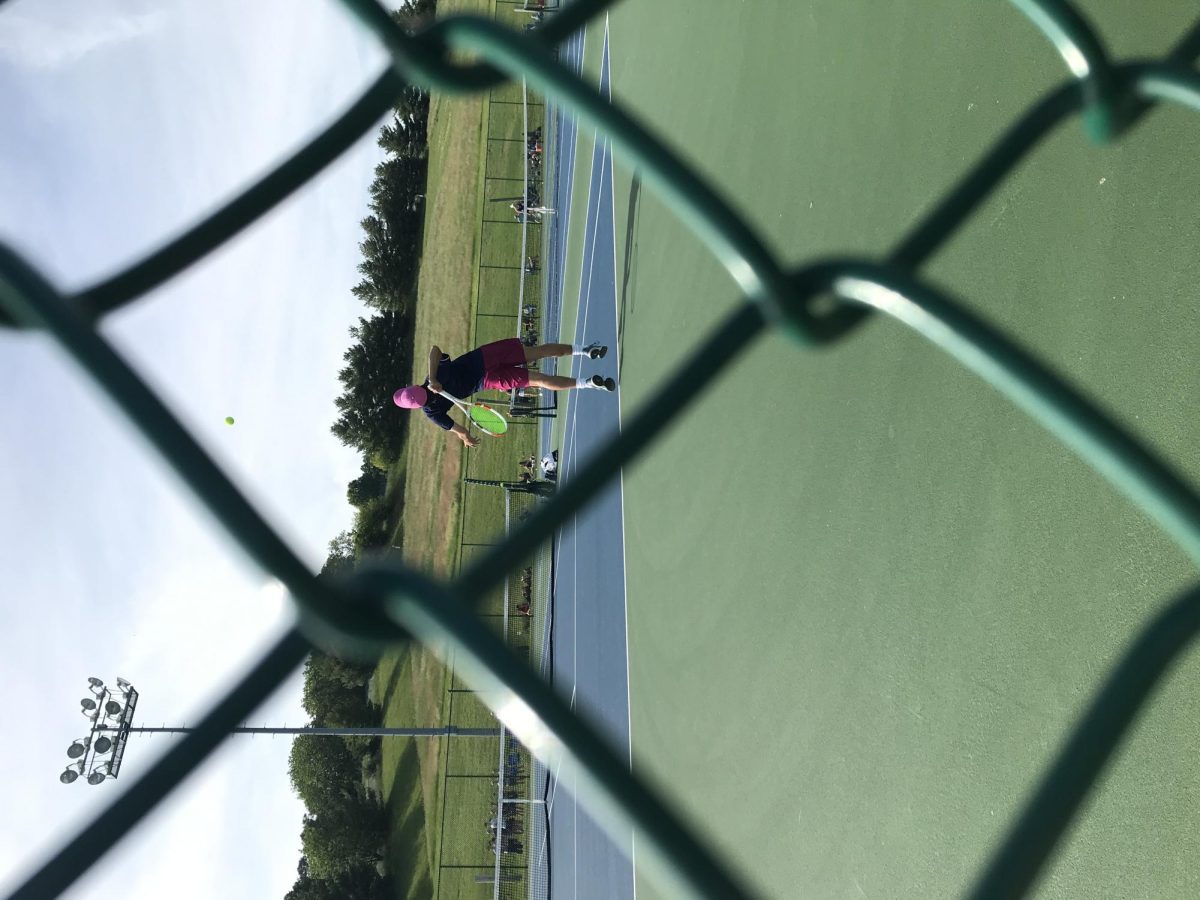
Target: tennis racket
[[488, 420]]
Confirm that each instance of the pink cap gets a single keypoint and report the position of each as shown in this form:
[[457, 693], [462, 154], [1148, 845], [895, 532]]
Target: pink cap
[[412, 397]]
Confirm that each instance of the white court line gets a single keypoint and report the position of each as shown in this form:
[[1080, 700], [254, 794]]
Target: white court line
[[569, 455], [581, 320], [565, 468], [582, 314], [612, 194], [582, 273], [552, 783], [570, 460], [570, 177]]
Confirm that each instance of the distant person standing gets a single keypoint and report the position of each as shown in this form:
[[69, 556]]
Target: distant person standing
[[521, 207], [497, 366]]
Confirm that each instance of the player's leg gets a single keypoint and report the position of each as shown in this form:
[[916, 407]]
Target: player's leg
[[507, 378], [593, 350], [544, 351], [564, 383]]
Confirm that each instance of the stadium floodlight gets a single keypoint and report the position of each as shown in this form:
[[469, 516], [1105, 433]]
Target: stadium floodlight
[[110, 711]]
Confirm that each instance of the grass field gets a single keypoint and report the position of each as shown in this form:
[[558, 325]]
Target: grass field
[[440, 794], [862, 620]]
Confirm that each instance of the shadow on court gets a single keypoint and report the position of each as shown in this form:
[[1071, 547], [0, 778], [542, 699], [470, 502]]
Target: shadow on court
[[631, 253]]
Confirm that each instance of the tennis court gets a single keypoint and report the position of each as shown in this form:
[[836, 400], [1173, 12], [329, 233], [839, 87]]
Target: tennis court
[[866, 595]]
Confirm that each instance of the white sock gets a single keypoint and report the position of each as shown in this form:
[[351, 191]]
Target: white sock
[[584, 381], [579, 350]]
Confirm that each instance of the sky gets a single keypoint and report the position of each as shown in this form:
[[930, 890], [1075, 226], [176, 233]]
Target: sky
[[124, 122]]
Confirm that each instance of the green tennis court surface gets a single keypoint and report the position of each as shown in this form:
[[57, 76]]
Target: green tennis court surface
[[867, 596]]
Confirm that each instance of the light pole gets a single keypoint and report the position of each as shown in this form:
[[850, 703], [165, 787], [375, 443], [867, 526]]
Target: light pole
[[98, 754], [112, 723]]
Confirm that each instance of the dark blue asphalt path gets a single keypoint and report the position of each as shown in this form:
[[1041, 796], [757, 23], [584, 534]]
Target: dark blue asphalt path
[[590, 639]]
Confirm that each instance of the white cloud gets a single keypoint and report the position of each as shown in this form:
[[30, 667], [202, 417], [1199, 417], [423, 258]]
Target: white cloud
[[73, 31]]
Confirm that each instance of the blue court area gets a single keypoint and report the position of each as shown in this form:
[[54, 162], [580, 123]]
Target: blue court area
[[590, 641]]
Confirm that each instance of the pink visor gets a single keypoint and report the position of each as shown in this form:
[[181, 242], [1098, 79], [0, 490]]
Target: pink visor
[[412, 397]]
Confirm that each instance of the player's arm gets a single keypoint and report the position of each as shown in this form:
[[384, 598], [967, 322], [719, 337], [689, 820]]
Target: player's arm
[[463, 435], [435, 356]]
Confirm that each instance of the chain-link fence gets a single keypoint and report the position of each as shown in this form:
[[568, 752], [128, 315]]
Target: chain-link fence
[[388, 603]]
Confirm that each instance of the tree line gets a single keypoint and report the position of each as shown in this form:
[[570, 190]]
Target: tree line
[[343, 835], [344, 831], [391, 252]]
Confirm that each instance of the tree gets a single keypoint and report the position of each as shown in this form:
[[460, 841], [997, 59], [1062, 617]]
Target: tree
[[341, 555], [376, 364], [370, 484], [335, 692], [350, 675], [373, 527], [413, 12], [325, 774], [391, 246], [358, 883], [336, 845], [405, 136]]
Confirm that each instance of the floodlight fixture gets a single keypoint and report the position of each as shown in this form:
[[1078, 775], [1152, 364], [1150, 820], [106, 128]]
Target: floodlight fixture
[[103, 744]]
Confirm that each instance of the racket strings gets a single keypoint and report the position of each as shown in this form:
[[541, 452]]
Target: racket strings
[[488, 419]]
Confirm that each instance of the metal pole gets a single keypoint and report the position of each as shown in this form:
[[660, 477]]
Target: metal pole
[[445, 731]]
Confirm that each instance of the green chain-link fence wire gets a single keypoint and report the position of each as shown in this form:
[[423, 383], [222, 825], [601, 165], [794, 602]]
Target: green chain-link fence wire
[[819, 303]]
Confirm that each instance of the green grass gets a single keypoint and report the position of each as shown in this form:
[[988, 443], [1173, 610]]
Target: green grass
[[867, 598], [438, 814], [411, 788], [469, 800]]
